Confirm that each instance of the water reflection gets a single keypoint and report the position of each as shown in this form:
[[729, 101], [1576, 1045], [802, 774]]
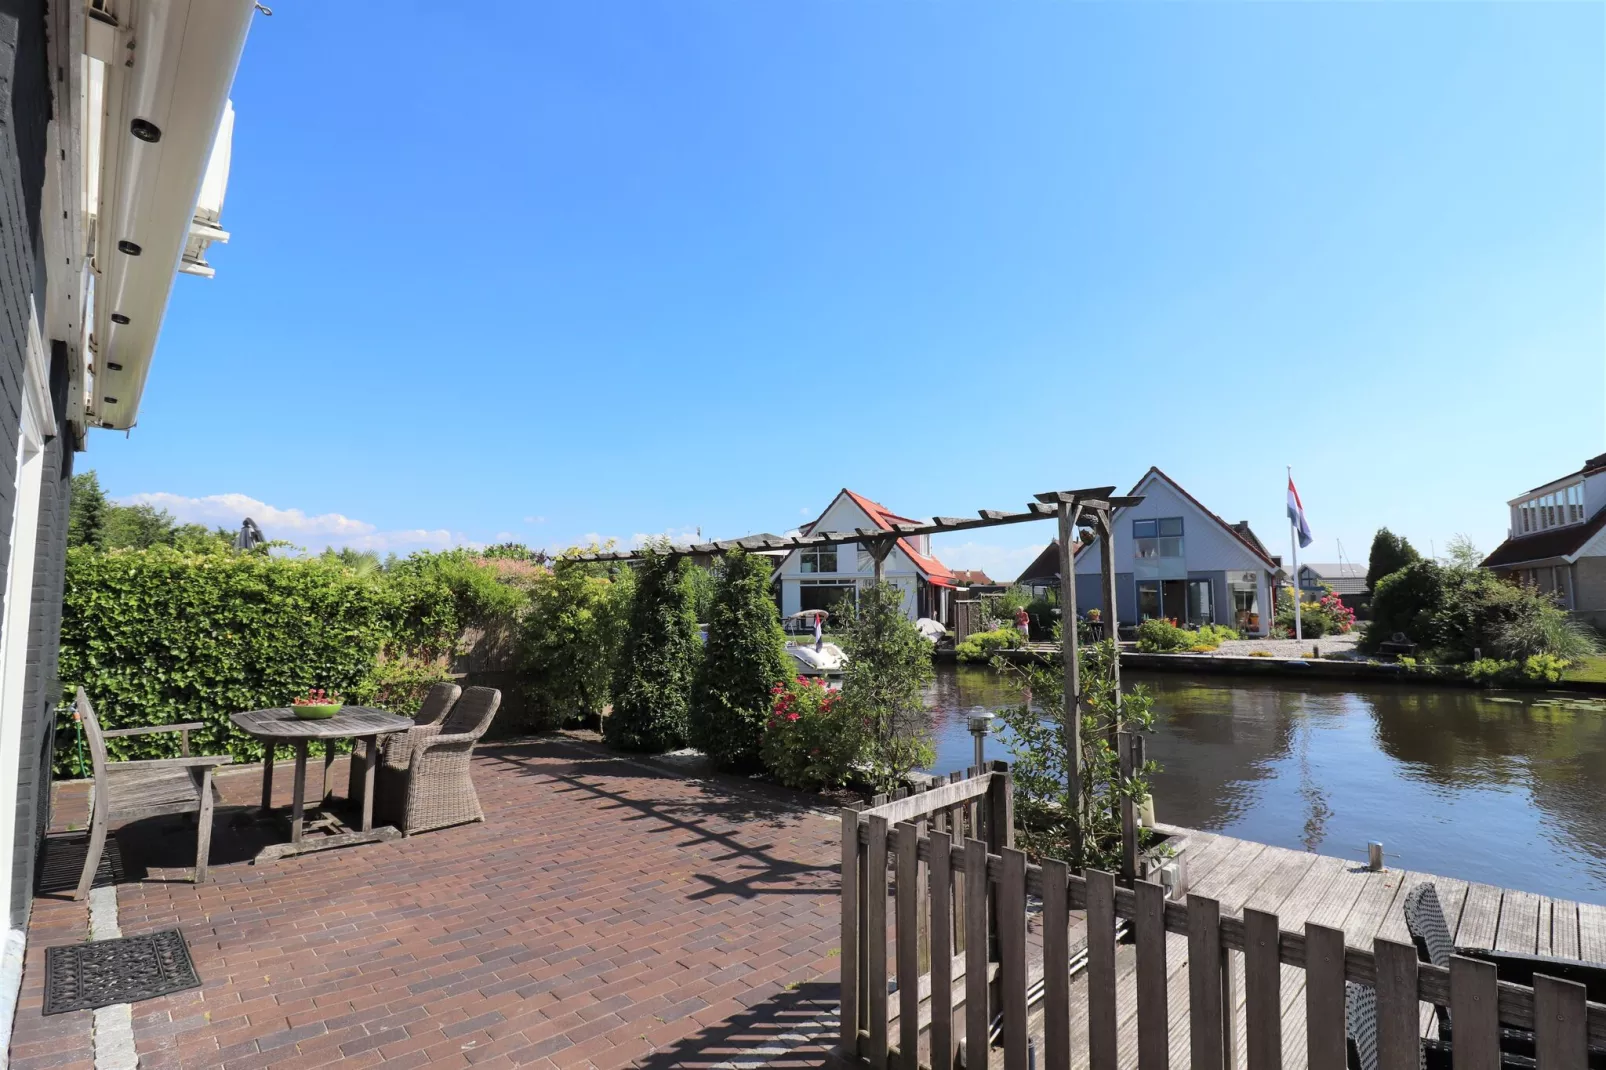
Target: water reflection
[[1505, 789]]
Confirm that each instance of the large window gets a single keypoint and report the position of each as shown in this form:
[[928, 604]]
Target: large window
[[1157, 538], [1201, 603], [818, 559], [1148, 599], [837, 599]]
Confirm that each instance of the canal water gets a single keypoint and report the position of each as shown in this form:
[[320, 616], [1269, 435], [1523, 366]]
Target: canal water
[[1508, 789]]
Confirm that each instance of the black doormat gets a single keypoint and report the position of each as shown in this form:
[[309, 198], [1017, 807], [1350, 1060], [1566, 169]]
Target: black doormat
[[61, 863], [126, 970]]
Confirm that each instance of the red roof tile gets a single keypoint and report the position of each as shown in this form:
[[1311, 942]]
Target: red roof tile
[[934, 570]]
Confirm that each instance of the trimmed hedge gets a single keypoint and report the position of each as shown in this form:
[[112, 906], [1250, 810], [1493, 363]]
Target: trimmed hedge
[[158, 637]]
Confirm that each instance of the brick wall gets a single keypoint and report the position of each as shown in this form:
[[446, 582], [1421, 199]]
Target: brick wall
[[24, 117]]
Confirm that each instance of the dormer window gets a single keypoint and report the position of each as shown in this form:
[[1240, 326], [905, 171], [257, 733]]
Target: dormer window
[[1553, 509]]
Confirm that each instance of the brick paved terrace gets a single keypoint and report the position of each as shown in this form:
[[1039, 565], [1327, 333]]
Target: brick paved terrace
[[605, 915]]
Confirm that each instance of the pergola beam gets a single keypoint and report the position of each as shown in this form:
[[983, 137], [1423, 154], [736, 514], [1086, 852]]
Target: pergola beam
[[1089, 503]]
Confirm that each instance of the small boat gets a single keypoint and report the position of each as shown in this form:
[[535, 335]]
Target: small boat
[[826, 659]]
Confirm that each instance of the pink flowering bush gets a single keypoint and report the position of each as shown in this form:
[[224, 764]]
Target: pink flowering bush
[[1326, 616], [810, 741]]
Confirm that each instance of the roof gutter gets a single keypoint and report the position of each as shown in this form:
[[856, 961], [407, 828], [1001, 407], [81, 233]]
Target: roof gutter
[[163, 83]]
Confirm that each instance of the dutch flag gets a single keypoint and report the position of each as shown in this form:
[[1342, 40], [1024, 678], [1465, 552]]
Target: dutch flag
[[1296, 515]]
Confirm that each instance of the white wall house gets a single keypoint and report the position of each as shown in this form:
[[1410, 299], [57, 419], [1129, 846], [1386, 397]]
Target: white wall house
[[1557, 540], [1176, 559], [820, 577]]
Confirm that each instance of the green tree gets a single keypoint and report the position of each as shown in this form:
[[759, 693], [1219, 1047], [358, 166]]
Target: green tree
[[86, 511], [1390, 553], [889, 666], [657, 660], [1043, 807], [744, 658], [136, 527], [571, 639]]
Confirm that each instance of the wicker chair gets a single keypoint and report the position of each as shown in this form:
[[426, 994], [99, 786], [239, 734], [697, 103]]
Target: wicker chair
[[393, 749], [430, 787], [128, 791]]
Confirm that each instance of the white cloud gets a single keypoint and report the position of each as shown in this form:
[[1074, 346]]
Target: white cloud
[[313, 531], [1002, 563]]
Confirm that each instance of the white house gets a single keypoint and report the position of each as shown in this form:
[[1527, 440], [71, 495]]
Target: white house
[[821, 577], [1174, 558], [1556, 542], [114, 148]]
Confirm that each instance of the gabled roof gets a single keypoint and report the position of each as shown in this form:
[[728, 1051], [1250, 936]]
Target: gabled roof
[[1239, 531], [1591, 466], [1344, 577], [1542, 545], [1045, 566], [972, 577], [931, 568]]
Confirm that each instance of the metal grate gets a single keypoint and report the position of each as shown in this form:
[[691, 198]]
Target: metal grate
[[61, 862], [130, 968]]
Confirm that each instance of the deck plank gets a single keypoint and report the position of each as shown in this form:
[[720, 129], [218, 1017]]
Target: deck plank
[[1592, 932], [1480, 917], [1519, 923]]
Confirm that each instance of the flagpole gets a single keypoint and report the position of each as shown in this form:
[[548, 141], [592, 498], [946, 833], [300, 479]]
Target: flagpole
[[1293, 553]]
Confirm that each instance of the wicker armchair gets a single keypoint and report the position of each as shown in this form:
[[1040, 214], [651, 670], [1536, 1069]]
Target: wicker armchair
[[393, 748], [431, 788]]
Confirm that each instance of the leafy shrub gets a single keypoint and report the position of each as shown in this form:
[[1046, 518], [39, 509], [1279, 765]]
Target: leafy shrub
[[158, 636], [1541, 627], [438, 595], [1156, 636], [889, 665], [1045, 812], [1544, 667], [1043, 615], [810, 739], [743, 661], [1325, 616], [1489, 670], [400, 682], [981, 646], [570, 641], [657, 659], [998, 610], [1216, 634]]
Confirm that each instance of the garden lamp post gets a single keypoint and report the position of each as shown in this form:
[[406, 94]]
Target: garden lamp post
[[980, 725]]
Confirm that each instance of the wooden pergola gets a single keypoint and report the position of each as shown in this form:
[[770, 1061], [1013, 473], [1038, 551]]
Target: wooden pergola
[[1091, 508]]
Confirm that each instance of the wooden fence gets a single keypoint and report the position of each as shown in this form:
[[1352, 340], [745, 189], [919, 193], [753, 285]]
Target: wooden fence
[[958, 927]]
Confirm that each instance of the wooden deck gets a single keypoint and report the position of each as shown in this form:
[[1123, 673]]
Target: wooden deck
[[1301, 887]]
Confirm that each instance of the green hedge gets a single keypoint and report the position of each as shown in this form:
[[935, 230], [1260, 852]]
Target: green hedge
[[158, 636]]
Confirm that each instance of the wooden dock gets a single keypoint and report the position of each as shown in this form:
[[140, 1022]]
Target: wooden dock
[[1300, 887]]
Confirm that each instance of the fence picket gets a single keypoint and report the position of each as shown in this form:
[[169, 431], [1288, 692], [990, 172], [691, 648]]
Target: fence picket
[[1011, 910], [908, 943], [1101, 1019], [1206, 1036], [1263, 985], [942, 952], [977, 1020], [1324, 997], [1154, 1014], [1399, 1047], [1056, 967], [1474, 1014], [849, 943], [875, 913], [1560, 1037]]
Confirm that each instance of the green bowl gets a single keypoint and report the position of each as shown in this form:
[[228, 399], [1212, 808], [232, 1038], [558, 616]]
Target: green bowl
[[320, 712]]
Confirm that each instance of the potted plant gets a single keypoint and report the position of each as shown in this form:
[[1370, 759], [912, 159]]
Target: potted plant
[[316, 705]]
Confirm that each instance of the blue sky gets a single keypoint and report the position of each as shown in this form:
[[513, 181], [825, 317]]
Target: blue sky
[[566, 269]]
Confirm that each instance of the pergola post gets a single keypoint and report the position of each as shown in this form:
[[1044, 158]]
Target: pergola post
[[1107, 580], [1070, 648], [878, 550]]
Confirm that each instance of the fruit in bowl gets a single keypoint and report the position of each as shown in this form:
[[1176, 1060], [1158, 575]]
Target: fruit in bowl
[[316, 705]]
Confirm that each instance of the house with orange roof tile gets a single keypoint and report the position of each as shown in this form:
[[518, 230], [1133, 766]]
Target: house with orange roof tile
[[823, 577]]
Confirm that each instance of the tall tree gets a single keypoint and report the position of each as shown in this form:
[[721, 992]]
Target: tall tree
[[889, 666], [745, 657], [1390, 553], [652, 681], [86, 511]]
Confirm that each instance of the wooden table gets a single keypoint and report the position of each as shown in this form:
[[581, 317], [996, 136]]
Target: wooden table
[[281, 725]]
